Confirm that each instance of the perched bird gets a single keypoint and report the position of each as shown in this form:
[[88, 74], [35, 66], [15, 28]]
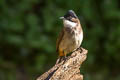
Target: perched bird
[[71, 35]]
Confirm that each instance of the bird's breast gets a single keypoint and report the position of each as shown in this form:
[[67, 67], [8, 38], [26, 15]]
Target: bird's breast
[[74, 36], [71, 40]]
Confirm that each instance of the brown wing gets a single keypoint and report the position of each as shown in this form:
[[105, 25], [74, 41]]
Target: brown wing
[[59, 39]]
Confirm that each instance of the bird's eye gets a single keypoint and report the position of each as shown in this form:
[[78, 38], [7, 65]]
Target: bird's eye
[[69, 18]]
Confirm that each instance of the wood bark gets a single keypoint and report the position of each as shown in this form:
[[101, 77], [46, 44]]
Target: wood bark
[[68, 69]]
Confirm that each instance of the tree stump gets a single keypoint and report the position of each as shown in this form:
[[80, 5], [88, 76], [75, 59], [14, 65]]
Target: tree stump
[[68, 69]]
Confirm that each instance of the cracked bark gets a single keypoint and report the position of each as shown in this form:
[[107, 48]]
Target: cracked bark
[[67, 70]]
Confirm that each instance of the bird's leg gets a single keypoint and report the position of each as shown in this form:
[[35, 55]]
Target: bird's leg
[[60, 57], [81, 50], [59, 60], [64, 57], [78, 49]]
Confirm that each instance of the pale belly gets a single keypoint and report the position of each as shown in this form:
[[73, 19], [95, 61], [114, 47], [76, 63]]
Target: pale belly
[[70, 42]]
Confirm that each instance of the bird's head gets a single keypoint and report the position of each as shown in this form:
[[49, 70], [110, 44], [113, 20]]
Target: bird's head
[[70, 19]]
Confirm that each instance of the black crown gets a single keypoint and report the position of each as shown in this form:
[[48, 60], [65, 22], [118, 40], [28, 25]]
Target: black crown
[[70, 13]]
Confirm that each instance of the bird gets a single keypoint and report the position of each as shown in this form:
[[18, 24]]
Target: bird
[[71, 35]]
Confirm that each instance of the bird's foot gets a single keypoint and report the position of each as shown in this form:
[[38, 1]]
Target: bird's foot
[[81, 50], [60, 59]]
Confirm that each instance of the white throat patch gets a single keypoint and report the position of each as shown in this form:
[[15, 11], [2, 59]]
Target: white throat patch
[[68, 23]]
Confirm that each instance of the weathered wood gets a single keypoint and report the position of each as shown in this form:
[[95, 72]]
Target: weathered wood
[[68, 69]]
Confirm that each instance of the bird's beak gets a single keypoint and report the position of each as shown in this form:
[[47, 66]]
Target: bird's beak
[[61, 17]]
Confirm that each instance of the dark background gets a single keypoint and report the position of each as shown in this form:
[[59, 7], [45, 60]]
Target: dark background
[[29, 28]]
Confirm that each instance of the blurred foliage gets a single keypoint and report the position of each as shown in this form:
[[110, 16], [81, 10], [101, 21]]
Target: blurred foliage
[[29, 28]]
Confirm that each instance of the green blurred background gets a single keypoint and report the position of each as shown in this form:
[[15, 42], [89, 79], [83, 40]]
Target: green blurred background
[[29, 28]]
